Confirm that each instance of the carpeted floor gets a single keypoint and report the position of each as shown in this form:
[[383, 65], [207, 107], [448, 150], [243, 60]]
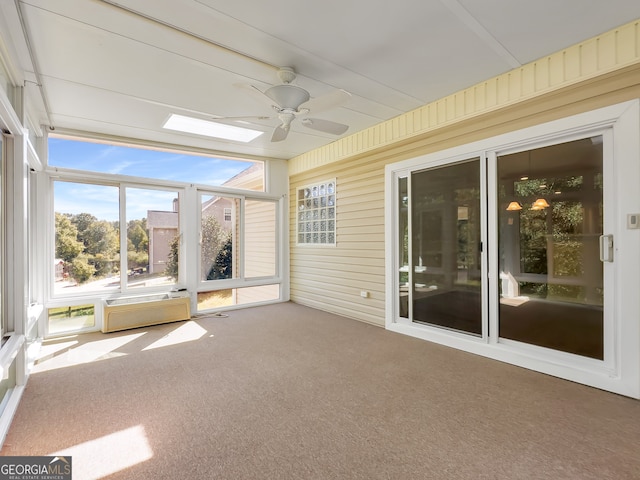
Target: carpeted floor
[[288, 392]]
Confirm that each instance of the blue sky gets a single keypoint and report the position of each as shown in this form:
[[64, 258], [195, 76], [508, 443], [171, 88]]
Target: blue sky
[[103, 202]]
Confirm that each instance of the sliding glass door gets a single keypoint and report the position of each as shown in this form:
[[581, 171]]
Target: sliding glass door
[[524, 248], [550, 213], [446, 280]]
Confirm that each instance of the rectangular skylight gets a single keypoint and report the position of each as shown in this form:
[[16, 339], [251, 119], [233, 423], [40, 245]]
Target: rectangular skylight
[[198, 126]]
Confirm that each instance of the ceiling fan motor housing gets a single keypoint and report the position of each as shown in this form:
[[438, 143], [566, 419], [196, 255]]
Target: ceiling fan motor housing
[[288, 96]]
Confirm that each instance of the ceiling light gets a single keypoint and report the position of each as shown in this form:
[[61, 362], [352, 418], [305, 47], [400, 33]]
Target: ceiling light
[[198, 126], [514, 206], [288, 96], [539, 204]]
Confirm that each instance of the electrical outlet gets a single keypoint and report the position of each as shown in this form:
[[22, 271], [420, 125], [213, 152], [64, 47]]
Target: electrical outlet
[[364, 294]]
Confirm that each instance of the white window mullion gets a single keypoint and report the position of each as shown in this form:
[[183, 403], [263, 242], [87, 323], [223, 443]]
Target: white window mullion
[[122, 221]]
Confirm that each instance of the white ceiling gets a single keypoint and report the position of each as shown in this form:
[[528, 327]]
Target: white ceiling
[[122, 67]]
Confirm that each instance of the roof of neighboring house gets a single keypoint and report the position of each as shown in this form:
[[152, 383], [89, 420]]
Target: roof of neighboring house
[[251, 178], [162, 219]]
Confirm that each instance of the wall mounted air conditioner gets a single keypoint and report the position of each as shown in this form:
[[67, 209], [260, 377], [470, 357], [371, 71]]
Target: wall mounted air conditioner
[[141, 311]]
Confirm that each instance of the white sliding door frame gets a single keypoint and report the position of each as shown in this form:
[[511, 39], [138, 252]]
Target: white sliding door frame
[[619, 372]]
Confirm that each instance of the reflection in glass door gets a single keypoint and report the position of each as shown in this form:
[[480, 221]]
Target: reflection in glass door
[[446, 247], [550, 223]]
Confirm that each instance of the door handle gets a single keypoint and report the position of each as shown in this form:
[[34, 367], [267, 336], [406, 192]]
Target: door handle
[[606, 248]]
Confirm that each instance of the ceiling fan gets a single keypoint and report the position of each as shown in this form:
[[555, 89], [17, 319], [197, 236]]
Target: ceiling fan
[[291, 101]]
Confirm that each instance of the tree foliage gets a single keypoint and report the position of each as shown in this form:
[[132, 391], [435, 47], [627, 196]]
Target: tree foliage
[[173, 258], [89, 247], [215, 254], [137, 243], [67, 245], [81, 270], [222, 266]]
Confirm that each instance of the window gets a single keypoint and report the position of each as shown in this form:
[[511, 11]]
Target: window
[[70, 318], [238, 263], [260, 240], [117, 234], [122, 159], [153, 237], [316, 210], [87, 237], [218, 235]]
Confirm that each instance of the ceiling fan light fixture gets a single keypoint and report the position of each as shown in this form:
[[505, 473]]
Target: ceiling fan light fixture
[[288, 96], [181, 123]]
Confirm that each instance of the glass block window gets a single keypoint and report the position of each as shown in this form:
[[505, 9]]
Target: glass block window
[[316, 211]]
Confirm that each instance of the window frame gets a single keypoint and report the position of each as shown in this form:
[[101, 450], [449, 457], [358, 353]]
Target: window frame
[[241, 280], [275, 190], [305, 207]]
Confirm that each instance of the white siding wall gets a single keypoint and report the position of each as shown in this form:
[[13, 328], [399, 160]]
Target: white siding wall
[[331, 278]]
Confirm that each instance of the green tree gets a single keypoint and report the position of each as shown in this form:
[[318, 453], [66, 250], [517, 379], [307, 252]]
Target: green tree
[[172, 260], [83, 221], [137, 234], [216, 252], [100, 238], [81, 271], [222, 266], [214, 240], [67, 245]]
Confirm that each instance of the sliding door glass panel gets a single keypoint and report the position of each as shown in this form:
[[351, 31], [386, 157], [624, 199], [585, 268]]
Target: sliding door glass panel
[[87, 237], [219, 223], [260, 242], [153, 237], [403, 247], [446, 247], [550, 220]]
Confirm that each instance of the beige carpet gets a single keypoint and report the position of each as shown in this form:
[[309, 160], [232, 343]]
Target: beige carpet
[[288, 392]]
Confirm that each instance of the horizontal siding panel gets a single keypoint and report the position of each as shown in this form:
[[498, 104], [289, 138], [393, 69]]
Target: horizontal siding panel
[[337, 262], [354, 211], [346, 299], [358, 221], [373, 199], [366, 229], [302, 265], [337, 294], [343, 252], [364, 246], [371, 182], [347, 281], [371, 238], [321, 304]]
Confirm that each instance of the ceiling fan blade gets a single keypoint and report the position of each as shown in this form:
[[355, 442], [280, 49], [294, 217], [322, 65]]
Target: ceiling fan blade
[[279, 133], [241, 118], [330, 100], [256, 93], [326, 126]]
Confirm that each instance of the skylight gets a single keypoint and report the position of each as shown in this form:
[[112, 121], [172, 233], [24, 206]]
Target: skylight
[[198, 126]]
